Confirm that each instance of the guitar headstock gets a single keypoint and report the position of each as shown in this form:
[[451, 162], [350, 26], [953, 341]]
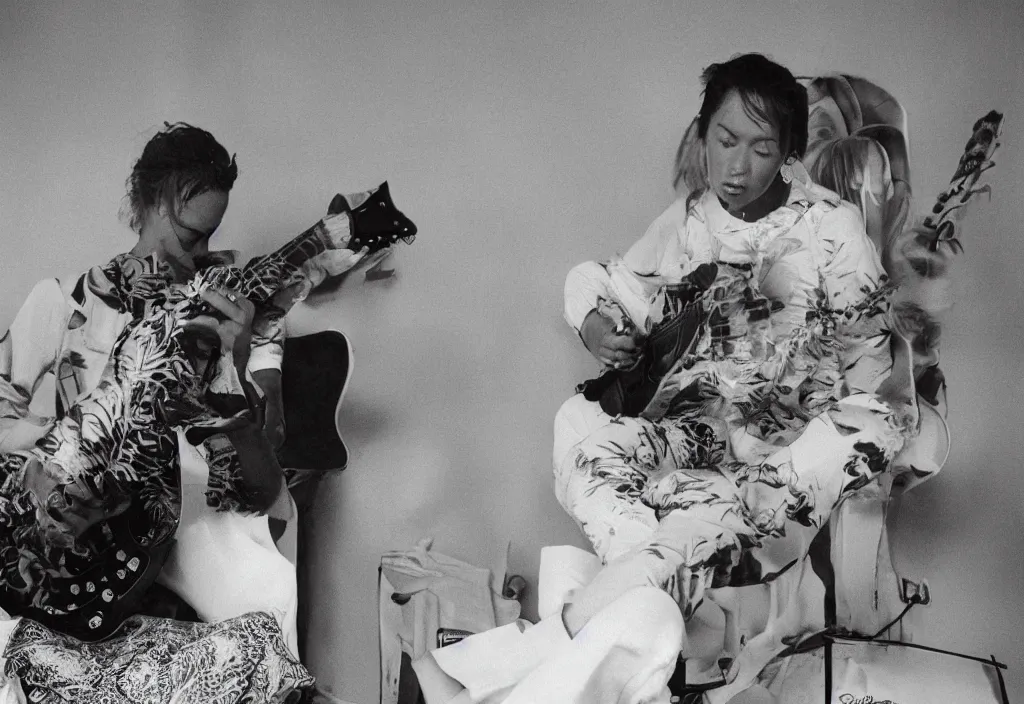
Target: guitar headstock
[[976, 159], [377, 222]]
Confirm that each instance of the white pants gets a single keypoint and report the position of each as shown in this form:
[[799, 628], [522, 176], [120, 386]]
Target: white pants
[[225, 564], [624, 655]]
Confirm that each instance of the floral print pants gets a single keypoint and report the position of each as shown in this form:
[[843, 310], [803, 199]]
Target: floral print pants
[[678, 505]]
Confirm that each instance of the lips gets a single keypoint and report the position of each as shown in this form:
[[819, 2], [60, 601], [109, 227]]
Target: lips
[[733, 189]]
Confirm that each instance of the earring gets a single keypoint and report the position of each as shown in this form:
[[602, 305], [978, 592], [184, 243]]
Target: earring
[[787, 170]]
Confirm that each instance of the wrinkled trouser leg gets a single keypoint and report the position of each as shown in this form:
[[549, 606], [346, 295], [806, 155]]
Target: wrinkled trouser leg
[[766, 513]]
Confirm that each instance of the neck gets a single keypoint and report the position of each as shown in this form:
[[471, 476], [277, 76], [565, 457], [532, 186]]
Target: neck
[[167, 250], [142, 248], [150, 238], [772, 199]]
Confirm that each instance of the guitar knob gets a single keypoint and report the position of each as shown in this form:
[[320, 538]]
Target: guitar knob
[[90, 587], [108, 595], [96, 621], [121, 555], [75, 589]]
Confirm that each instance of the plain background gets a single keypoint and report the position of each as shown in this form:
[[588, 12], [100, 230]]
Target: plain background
[[523, 138]]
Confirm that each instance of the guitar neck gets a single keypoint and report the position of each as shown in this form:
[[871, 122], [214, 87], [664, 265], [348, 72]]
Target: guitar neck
[[265, 276]]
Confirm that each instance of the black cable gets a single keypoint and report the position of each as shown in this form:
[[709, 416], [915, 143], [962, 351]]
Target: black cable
[[913, 601]]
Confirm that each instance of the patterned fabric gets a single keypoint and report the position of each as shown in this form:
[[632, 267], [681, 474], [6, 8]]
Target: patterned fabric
[[154, 660]]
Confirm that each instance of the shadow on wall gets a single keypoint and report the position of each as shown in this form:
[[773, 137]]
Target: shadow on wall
[[364, 420]]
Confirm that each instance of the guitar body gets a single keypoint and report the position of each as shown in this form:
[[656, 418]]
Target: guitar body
[[314, 375], [91, 603]]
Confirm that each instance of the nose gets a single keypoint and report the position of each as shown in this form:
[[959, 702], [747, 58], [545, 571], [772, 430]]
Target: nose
[[739, 163]]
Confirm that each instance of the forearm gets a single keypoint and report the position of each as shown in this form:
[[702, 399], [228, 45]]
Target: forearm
[[269, 381], [259, 471], [584, 285]]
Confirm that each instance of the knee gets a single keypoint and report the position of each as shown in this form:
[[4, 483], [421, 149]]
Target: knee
[[655, 622], [567, 431], [575, 421], [569, 413]]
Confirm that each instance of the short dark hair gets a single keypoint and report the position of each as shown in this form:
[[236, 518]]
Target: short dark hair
[[178, 163], [769, 93]]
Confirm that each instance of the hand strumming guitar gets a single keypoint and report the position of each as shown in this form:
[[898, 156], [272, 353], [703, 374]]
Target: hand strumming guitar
[[612, 347]]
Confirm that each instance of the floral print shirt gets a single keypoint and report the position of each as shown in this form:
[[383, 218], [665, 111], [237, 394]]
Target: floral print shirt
[[69, 328], [815, 242]]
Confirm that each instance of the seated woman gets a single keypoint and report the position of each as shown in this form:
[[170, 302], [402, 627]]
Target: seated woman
[[692, 499], [223, 563], [771, 417]]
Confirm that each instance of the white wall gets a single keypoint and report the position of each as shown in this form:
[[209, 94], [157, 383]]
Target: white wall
[[522, 139]]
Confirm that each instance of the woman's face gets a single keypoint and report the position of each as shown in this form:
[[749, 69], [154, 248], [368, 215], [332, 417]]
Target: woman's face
[[183, 236], [197, 219], [744, 154]]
